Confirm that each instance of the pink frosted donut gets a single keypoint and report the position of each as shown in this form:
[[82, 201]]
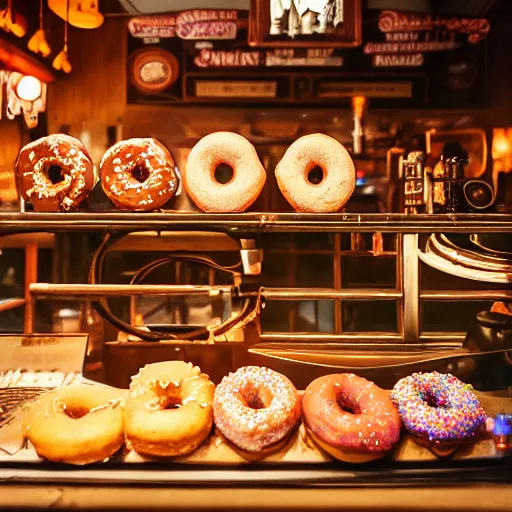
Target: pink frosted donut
[[256, 408], [338, 180], [248, 174], [367, 432]]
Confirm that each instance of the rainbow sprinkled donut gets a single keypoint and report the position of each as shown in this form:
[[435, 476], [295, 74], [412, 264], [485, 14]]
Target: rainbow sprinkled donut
[[438, 407]]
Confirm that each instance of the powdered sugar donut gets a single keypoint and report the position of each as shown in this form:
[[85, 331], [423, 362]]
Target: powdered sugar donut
[[248, 174], [256, 408], [338, 180]]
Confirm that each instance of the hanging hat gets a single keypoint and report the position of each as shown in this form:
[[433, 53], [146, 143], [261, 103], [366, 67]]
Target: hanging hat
[[82, 13]]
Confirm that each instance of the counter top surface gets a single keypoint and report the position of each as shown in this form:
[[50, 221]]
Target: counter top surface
[[485, 497]]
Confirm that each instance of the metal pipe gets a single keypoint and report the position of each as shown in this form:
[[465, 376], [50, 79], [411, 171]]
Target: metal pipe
[[329, 294], [244, 223], [8, 304], [466, 295], [360, 337], [411, 289], [101, 290]]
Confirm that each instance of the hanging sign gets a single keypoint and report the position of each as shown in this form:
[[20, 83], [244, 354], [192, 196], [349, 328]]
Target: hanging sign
[[195, 24], [408, 37]]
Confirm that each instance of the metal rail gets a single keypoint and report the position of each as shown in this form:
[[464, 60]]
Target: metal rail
[[42, 290], [247, 223]]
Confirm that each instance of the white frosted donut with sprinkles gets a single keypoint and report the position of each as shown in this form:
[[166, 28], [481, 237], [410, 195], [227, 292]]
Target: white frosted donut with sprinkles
[[256, 408], [438, 408]]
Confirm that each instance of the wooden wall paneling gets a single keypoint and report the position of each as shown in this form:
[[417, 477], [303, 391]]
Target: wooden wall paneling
[[95, 91], [10, 143]]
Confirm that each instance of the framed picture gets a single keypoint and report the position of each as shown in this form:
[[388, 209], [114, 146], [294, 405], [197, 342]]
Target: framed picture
[[305, 23]]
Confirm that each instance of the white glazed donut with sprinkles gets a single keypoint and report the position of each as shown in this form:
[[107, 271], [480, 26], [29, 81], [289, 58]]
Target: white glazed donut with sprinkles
[[255, 408], [438, 407]]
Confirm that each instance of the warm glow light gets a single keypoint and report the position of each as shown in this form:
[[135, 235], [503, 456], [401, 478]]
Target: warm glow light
[[500, 144], [29, 88], [358, 104]]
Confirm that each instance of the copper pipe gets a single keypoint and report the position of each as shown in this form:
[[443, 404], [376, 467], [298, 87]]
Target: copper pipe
[[411, 289], [329, 294], [360, 337], [245, 223], [9, 304], [466, 295], [30, 279], [338, 306], [101, 290]]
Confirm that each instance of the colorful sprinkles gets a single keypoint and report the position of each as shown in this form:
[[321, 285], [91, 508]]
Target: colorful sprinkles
[[438, 407]]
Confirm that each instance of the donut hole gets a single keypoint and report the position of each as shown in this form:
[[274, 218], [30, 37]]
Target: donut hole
[[256, 403], [140, 173], [55, 173], [347, 405], [256, 397], [172, 403], [316, 175], [223, 173], [75, 411]]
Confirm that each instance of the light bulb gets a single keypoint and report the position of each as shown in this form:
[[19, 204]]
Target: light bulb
[[29, 88]]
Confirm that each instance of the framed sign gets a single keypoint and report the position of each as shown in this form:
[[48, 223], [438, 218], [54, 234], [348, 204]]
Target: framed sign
[[305, 23]]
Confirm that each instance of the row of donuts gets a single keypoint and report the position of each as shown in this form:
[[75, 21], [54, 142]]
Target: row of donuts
[[56, 173], [171, 407]]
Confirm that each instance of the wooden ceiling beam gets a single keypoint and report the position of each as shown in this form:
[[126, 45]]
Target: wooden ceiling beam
[[15, 58]]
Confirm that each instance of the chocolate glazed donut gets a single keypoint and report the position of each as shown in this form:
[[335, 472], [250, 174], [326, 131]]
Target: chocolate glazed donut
[[54, 173], [138, 174]]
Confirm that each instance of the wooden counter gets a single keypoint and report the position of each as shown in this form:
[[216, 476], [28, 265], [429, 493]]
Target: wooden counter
[[486, 497]]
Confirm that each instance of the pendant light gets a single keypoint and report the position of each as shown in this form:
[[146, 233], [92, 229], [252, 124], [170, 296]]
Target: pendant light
[[61, 62], [38, 42], [78, 13]]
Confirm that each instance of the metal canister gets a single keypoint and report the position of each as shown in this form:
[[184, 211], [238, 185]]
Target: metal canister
[[414, 182]]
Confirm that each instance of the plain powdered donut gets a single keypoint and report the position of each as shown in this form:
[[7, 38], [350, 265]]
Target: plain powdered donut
[[169, 411], [366, 433], [339, 174], [248, 173], [54, 173], [138, 174], [256, 408], [75, 424]]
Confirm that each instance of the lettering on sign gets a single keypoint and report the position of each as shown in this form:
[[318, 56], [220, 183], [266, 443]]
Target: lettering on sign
[[475, 28], [227, 59], [307, 57], [153, 26], [408, 60], [193, 24], [408, 37], [39, 342], [214, 89], [208, 58], [369, 89], [410, 47]]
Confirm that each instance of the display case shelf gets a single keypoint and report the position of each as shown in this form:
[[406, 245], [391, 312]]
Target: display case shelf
[[250, 223]]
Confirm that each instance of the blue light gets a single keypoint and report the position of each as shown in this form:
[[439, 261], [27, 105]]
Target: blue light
[[503, 425]]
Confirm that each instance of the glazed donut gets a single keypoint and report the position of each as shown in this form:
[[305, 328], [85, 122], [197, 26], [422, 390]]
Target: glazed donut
[[169, 410], [438, 408], [75, 424], [256, 408], [368, 432], [248, 174], [304, 155], [138, 174], [54, 173]]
